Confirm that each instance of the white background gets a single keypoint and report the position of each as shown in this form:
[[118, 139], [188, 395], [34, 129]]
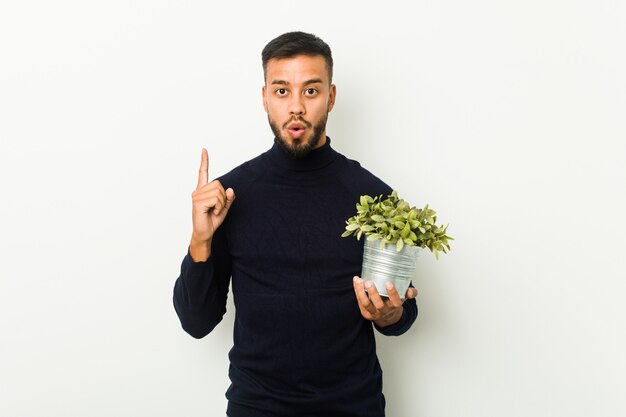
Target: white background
[[507, 117]]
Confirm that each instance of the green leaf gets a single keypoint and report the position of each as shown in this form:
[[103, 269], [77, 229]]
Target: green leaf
[[394, 221]]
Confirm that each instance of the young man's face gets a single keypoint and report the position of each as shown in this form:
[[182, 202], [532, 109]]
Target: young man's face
[[297, 97]]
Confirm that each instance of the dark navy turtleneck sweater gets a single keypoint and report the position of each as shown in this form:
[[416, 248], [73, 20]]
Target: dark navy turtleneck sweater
[[301, 346]]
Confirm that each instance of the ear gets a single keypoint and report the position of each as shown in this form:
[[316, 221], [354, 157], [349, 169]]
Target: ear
[[331, 97], [264, 98]]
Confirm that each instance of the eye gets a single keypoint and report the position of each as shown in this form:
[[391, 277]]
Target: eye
[[281, 91], [311, 91]]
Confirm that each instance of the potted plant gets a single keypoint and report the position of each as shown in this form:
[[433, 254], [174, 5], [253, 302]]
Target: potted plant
[[395, 232]]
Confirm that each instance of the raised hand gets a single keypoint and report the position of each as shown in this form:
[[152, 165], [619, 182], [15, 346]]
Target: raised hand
[[210, 207]]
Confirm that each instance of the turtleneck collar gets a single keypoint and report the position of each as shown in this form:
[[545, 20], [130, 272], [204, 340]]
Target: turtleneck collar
[[317, 158]]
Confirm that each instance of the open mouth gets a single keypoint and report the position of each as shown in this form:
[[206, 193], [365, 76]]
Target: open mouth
[[296, 126], [296, 129]]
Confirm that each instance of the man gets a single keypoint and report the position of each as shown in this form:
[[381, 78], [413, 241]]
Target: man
[[303, 335]]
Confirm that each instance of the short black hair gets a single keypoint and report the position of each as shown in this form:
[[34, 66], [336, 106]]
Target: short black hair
[[291, 44]]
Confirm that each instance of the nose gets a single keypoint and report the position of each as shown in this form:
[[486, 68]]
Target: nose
[[296, 106]]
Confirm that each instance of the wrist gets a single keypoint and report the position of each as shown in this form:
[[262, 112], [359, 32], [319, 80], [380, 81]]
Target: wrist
[[199, 249]]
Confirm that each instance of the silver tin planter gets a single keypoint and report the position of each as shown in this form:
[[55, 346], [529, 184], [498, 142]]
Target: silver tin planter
[[383, 265]]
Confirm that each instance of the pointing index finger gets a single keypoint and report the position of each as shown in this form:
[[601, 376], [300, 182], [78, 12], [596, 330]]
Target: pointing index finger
[[203, 174]]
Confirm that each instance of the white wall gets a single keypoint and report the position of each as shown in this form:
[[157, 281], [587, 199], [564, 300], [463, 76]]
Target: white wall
[[507, 117]]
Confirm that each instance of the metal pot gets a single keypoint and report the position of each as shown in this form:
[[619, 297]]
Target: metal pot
[[383, 265]]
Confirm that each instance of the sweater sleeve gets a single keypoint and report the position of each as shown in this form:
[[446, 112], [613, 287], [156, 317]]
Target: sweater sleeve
[[201, 290], [408, 317]]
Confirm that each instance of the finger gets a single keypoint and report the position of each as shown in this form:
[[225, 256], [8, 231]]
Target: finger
[[394, 297], [203, 173], [211, 191], [411, 293], [208, 206], [221, 196], [378, 302], [230, 197], [208, 200], [361, 295]]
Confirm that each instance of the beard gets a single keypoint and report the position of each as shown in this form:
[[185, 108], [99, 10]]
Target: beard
[[301, 147]]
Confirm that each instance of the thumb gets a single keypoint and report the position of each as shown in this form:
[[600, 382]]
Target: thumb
[[411, 293], [230, 197]]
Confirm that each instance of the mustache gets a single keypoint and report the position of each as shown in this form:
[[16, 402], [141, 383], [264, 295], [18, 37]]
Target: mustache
[[298, 120]]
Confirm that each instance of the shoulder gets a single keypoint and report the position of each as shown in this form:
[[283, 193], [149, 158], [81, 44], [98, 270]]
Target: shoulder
[[359, 179], [243, 175]]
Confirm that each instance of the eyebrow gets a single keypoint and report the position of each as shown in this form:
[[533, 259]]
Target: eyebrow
[[307, 82]]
